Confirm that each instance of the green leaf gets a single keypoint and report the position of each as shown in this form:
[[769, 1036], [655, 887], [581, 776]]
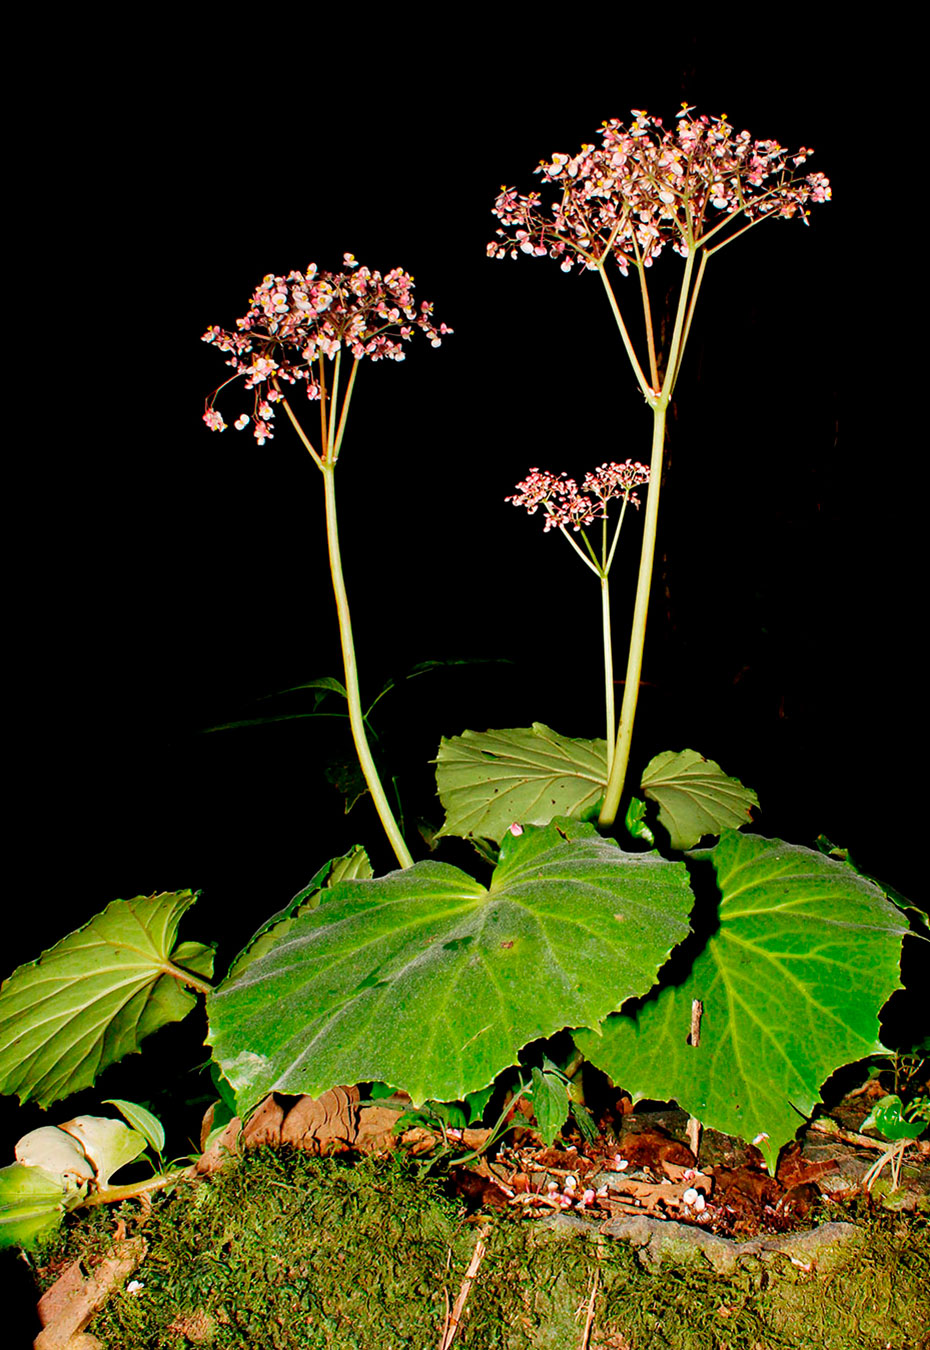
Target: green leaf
[[32, 1205], [487, 780], [695, 796], [242, 722], [94, 996], [328, 683], [919, 919], [423, 667], [450, 1113], [791, 984], [430, 981], [149, 1126], [226, 1094], [550, 1104], [347, 866], [887, 1116], [476, 1102], [635, 822]]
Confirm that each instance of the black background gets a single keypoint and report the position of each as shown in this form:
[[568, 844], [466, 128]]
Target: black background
[[161, 577], [164, 576]]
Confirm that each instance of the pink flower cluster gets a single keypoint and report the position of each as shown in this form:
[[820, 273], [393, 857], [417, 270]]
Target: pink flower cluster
[[646, 186], [295, 320], [567, 506]]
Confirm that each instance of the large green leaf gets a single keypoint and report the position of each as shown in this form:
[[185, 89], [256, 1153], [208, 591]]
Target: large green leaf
[[32, 1205], [349, 865], [489, 779], [791, 984], [94, 996], [695, 796], [430, 981]]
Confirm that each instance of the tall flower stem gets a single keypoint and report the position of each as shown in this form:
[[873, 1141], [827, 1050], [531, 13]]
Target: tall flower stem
[[617, 765], [327, 466], [356, 720], [618, 768], [608, 671]]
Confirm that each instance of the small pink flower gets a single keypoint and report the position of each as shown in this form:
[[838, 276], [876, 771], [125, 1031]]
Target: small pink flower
[[214, 420]]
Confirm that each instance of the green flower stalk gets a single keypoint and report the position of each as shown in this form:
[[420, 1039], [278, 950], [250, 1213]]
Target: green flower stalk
[[568, 509], [295, 324], [697, 187]]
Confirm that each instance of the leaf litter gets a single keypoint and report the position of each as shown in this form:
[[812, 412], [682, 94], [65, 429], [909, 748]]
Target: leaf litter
[[637, 1167]]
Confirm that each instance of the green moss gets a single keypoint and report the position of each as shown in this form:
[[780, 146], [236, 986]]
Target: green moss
[[289, 1252]]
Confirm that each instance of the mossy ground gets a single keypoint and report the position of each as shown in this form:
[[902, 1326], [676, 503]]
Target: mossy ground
[[282, 1251]]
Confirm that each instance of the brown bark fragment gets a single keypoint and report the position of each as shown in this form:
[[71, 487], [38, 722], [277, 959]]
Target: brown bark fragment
[[66, 1308]]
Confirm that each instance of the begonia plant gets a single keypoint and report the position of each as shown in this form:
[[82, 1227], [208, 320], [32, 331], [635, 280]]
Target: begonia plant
[[429, 979]]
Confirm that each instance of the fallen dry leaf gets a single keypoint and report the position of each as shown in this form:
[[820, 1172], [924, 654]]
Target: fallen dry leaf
[[559, 1160], [755, 1185], [418, 1140], [216, 1155], [795, 1170], [478, 1191], [324, 1124], [649, 1148], [376, 1129], [798, 1199], [264, 1124]]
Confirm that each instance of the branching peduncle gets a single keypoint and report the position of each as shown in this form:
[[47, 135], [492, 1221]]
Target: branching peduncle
[[588, 562], [628, 345]]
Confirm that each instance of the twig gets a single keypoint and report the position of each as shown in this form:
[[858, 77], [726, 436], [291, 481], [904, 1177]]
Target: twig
[[452, 1321], [694, 1039], [697, 1012], [589, 1320], [694, 1135], [830, 1127]]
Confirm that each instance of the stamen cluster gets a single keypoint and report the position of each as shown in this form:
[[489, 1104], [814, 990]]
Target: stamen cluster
[[646, 186], [567, 506], [294, 321]]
